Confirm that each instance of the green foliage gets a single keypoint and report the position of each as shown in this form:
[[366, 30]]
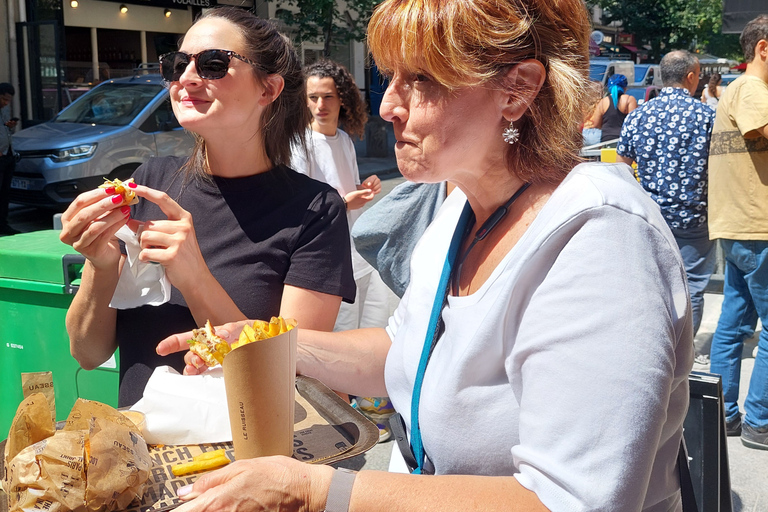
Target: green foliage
[[725, 45], [323, 21], [666, 24]]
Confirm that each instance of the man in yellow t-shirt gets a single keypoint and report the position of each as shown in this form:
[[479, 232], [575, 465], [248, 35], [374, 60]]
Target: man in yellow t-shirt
[[738, 216]]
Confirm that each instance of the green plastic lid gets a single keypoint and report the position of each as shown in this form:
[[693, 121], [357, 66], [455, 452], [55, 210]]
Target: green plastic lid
[[38, 256]]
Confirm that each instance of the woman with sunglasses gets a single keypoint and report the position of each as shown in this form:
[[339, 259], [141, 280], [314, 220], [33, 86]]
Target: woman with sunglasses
[[239, 234]]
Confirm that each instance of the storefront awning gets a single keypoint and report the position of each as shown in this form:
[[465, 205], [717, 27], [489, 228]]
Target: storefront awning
[[631, 48]]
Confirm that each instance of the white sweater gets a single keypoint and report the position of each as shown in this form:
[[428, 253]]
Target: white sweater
[[569, 367]]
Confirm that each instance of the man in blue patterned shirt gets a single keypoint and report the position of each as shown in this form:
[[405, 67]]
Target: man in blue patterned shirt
[[669, 138]]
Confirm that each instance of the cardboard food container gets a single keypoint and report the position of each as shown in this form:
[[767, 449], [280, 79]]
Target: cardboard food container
[[326, 430], [259, 379]]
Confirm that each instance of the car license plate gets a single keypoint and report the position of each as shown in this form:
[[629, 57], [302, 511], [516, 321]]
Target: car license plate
[[20, 183]]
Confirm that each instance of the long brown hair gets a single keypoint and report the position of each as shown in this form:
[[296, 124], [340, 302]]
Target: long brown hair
[[714, 81], [285, 120], [467, 44]]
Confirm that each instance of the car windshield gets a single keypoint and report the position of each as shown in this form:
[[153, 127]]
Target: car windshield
[[597, 72], [640, 72], [111, 104]]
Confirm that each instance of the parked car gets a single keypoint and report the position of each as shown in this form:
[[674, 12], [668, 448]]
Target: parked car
[[728, 78], [647, 74], [601, 69], [106, 133], [643, 93]]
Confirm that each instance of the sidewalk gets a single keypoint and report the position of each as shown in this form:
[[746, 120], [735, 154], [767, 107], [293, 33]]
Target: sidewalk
[[384, 168]]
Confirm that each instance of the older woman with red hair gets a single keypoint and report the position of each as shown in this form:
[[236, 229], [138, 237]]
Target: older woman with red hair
[[540, 355]]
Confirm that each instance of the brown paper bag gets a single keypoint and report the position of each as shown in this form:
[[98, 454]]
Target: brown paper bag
[[49, 474], [85, 410], [40, 382], [118, 467], [260, 383], [103, 466], [31, 424]]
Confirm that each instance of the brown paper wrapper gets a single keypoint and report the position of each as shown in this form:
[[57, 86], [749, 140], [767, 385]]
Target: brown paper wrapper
[[118, 467], [50, 474], [259, 379], [31, 424], [103, 466], [40, 382]]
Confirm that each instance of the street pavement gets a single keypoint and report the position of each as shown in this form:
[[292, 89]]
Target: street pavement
[[748, 467]]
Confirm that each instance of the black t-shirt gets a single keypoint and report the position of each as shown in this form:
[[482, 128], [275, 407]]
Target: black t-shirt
[[256, 234]]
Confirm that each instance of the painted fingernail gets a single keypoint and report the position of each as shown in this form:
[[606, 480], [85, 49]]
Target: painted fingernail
[[117, 199], [110, 190], [132, 185], [126, 210]]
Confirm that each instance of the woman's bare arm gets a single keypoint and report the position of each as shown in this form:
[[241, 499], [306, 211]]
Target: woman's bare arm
[[90, 321]]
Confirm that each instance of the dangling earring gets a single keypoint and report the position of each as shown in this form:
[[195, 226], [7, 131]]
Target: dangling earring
[[511, 134]]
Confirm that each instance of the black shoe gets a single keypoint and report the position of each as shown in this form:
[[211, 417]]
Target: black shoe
[[8, 230], [755, 437], [733, 427]]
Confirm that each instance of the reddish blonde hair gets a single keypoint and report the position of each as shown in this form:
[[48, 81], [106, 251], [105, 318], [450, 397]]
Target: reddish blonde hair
[[469, 43]]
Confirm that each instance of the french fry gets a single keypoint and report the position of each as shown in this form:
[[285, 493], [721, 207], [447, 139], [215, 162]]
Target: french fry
[[203, 462], [210, 455], [261, 330]]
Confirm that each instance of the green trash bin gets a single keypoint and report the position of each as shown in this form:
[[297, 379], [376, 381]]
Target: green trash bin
[[39, 275]]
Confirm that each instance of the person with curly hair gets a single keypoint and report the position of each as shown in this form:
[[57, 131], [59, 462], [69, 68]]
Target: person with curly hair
[[334, 100]]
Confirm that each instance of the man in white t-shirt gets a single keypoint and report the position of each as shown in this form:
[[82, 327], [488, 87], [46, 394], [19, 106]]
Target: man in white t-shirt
[[333, 99]]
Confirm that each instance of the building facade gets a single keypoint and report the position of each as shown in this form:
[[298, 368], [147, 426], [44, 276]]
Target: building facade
[[52, 51]]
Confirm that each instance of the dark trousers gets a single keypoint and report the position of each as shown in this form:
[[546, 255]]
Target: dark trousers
[[7, 165]]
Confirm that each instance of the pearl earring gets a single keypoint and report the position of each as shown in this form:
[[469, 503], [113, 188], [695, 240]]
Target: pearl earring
[[511, 134]]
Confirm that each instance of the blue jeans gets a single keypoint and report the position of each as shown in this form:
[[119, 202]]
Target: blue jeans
[[745, 297], [698, 253]]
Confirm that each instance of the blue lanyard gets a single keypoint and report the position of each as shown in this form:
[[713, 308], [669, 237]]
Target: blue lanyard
[[440, 300], [437, 309]]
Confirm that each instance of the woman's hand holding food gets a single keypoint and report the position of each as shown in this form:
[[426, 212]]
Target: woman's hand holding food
[[90, 223], [194, 363], [265, 483], [172, 242]]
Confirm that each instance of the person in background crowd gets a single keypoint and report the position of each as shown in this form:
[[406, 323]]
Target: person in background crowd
[[7, 160], [544, 293], [333, 99], [711, 93], [738, 216], [669, 139], [239, 234], [610, 111]]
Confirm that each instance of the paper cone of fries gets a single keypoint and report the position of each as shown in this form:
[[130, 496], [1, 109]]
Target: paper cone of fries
[[259, 378]]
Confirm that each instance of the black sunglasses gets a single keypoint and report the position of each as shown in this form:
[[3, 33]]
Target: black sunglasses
[[210, 64]]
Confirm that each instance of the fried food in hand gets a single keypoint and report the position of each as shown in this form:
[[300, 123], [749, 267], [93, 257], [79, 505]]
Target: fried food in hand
[[206, 344], [122, 188]]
